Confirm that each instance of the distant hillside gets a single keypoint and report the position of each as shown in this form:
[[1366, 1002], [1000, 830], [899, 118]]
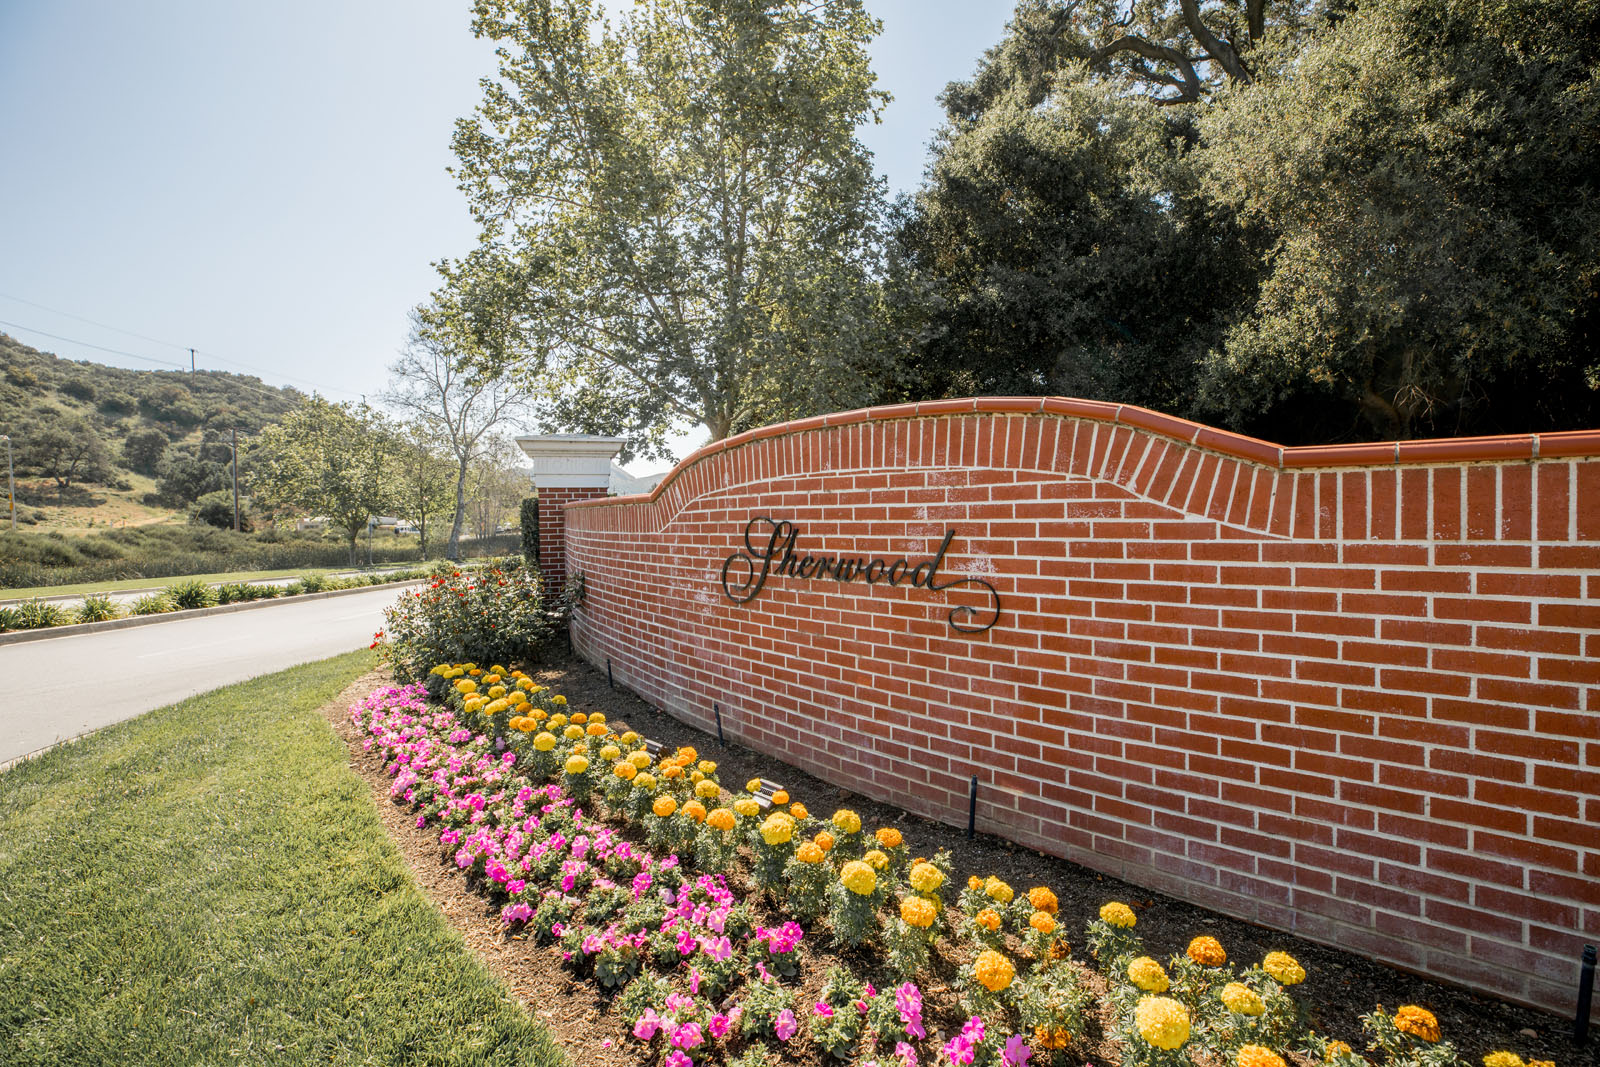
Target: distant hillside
[[98, 445]]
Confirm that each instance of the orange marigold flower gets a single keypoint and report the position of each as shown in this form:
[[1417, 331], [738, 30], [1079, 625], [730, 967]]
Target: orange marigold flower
[[975, 884], [809, 853], [993, 971], [1207, 951], [781, 797], [798, 810], [1335, 1049], [695, 810], [889, 837], [580, 717], [687, 754], [1042, 899], [1258, 1056], [1418, 1022], [624, 770], [664, 806], [672, 772], [918, 912], [720, 819], [824, 841], [988, 919], [1042, 922], [1051, 1039]]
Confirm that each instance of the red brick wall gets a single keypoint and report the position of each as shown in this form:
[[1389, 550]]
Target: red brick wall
[[1351, 692], [552, 531]]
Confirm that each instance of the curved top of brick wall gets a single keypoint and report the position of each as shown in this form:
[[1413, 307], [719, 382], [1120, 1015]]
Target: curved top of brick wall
[[1235, 445]]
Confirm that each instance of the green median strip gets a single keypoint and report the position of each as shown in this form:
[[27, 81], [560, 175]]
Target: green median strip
[[209, 883]]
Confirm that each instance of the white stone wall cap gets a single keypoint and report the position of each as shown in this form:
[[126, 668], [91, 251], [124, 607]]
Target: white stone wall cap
[[571, 460]]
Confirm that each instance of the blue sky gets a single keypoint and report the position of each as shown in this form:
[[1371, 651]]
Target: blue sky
[[266, 183]]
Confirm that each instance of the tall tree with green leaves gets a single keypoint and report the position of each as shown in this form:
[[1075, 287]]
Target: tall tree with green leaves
[[425, 478], [1429, 174], [333, 460], [677, 222]]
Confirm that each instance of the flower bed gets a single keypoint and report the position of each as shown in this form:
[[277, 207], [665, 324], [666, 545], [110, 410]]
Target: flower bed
[[690, 904]]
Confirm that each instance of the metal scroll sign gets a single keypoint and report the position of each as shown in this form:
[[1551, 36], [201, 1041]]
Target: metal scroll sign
[[769, 550]]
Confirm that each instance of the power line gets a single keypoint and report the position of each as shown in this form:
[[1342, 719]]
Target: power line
[[92, 322], [86, 344]]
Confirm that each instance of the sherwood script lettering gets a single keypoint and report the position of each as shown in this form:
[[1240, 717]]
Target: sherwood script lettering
[[777, 556]]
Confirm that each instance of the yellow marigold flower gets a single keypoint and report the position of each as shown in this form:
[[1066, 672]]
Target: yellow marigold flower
[[1258, 1056], [624, 770], [495, 707], [640, 759], [1541, 1063], [810, 853], [696, 777], [517, 697], [706, 789], [538, 714], [988, 918], [1283, 968], [720, 819], [1503, 1059], [557, 721], [1241, 999], [664, 806], [558, 700], [975, 883], [777, 829], [889, 837], [1418, 1022], [466, 685], [695, 810], [1042, 922], [1162, 1021], [596, 729], [1042, 899], [859, 878], [497, 668], [705, 766], [781, 797], [1117, 913], [997, 890], [577, 765], [925, 877], [672, 772], [1335, 1049], [573, 733], [580, 717], [753, 786], [847, 821], [439, 669], [544, 741], [1207, 951], [496, 691], [628, 738], [824, 841], [1148, 975], [878, 860], [918, 912], [993, 971], [611, 753], [644, 780], [799, 810], [525, 684], [595, 716], [747, 806]]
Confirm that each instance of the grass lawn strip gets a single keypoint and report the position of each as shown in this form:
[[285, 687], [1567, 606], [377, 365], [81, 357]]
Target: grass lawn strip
[[209, 882]]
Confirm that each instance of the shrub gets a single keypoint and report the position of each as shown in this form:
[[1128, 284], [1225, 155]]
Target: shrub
[[98, 609], [192, 594], [154, 604], [530, 530], [10, 619], [313, 583], [37, 614], [492, 615], [235, 593]]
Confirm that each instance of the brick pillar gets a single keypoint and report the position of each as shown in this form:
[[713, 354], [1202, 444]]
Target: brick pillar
[[566, 468]]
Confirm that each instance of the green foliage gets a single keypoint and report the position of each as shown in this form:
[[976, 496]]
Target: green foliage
[[143, 450], [1423, 168], [192, 594], [10, 619], [151, 604], [493, 615], [676, 218], [97, 609], [528, 520], [37, 614]]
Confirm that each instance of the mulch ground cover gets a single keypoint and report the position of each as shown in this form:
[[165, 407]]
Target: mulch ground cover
[[1340, 986]]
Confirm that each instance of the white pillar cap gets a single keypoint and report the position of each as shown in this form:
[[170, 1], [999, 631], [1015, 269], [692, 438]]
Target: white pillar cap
[[571, 460]]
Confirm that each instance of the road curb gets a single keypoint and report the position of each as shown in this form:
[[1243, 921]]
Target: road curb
[[73, 629], [148, 589]]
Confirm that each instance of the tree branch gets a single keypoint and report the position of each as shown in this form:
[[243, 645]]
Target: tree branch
[[1159, 52], [1216, 48]]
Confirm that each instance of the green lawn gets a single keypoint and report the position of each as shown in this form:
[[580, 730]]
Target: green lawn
[[212, 579], [210, 884]]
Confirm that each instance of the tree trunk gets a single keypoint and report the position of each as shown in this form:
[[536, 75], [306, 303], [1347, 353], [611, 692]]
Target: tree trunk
[[454, 551], [422, 536], [353, 536]]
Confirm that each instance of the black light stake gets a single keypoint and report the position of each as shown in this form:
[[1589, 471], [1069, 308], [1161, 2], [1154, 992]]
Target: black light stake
[[1580, 1026], [972, 808], [715, 710], [609, 683]]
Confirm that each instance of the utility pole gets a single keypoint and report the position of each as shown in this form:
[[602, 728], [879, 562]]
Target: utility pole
[[236, 479], [11, 482], [191, 361]]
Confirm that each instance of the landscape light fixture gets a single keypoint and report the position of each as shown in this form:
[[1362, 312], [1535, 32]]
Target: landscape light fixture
[[11, 482]]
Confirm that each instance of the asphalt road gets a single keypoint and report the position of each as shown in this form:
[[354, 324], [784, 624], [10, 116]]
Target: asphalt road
[[61, 687]]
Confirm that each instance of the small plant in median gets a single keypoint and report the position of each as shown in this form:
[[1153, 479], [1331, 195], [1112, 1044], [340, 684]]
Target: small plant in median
[[98, 609], [37, 614], [153, 604], [192, 594]]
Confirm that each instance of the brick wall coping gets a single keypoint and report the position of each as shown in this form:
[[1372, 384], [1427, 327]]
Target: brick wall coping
[[1369, 454]]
